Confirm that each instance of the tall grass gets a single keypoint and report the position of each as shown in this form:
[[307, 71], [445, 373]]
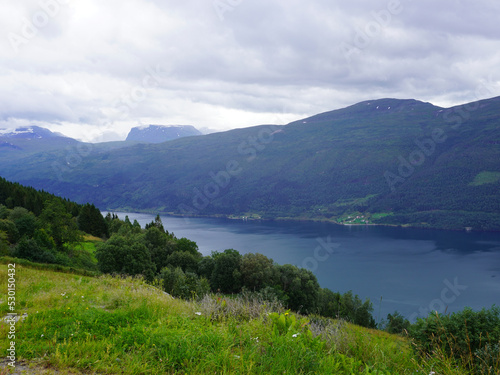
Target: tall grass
[[115, 325]]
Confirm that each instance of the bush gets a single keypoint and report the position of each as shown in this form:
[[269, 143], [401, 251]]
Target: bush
[[396, 323], [28, 248], [471, 337], [183, 285]]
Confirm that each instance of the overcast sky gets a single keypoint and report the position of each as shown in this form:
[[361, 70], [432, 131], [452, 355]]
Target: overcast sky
[[93, 69]]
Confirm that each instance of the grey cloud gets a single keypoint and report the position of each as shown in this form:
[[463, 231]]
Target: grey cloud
[[92, 63]]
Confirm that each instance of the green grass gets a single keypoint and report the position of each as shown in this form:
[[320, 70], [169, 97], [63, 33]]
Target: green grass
[[485, 178], [89, 247], [124, 326]]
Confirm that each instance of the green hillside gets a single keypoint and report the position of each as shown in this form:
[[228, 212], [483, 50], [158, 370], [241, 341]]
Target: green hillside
[[89, 325], [388, 161]]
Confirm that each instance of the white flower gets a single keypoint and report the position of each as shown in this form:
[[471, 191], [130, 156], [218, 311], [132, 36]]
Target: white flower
[[63, 294], [41, 335], [296, 335], [197, 313], [431, 373]]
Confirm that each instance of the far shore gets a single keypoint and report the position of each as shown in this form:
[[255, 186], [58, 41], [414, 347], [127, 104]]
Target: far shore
[[290, 219]]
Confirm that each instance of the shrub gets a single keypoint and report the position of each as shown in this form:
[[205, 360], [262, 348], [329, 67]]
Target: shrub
[[471, 337]]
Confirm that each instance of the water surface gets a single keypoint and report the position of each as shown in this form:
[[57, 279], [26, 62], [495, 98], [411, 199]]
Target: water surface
[[408, 270]]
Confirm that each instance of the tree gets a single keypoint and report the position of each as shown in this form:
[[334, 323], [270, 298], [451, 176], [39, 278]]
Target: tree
[[125, 255], [353, 309], [28, 248], [157, 223], [184, 260], [226, 276], [27, 225], [136, 227], [9, 228], [301, 287], [4, 244], [397, 323], [90, 220], [174, 281], [138, 262], [158, 245], [25, 221], [59, 223], [184, 244], [44, 240], [206, 267], [4, 212], [329, 303], [258, 271]]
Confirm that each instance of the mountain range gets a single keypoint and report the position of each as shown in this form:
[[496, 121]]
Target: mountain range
[[161, 133], [386, 161]]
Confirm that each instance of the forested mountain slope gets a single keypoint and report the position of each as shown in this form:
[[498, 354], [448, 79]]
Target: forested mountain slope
[[382, 161]]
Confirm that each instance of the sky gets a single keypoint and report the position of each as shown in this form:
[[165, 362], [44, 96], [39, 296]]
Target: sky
[[93, 69]]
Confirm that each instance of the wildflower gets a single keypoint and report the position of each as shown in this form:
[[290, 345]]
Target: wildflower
[[63, 294], [197, 313], [295, 335], [237, 356], [41, 335], [431, 373], [82, 296]]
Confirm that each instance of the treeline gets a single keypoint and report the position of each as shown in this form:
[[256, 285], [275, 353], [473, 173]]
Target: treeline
[[183, 272], [41, 227], [13, 195]]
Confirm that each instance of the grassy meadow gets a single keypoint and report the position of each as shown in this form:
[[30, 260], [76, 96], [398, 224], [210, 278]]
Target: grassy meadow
[[110, 325]]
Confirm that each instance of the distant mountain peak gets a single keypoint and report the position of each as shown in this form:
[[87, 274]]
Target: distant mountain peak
[[30, 132], [161, 133]]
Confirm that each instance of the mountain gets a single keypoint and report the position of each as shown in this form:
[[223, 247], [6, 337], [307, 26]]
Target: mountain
[[161, 133], [29, 132], [387, 161], [32, 139]]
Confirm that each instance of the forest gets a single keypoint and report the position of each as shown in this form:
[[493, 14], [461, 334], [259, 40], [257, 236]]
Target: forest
[[39, 227]]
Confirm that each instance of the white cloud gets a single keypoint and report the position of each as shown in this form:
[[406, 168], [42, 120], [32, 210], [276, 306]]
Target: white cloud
[[95, 67]]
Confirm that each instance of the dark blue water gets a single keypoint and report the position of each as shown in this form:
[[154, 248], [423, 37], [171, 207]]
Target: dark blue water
[[408, 270]]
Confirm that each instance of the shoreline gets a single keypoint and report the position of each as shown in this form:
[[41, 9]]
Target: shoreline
[[297, 219]]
